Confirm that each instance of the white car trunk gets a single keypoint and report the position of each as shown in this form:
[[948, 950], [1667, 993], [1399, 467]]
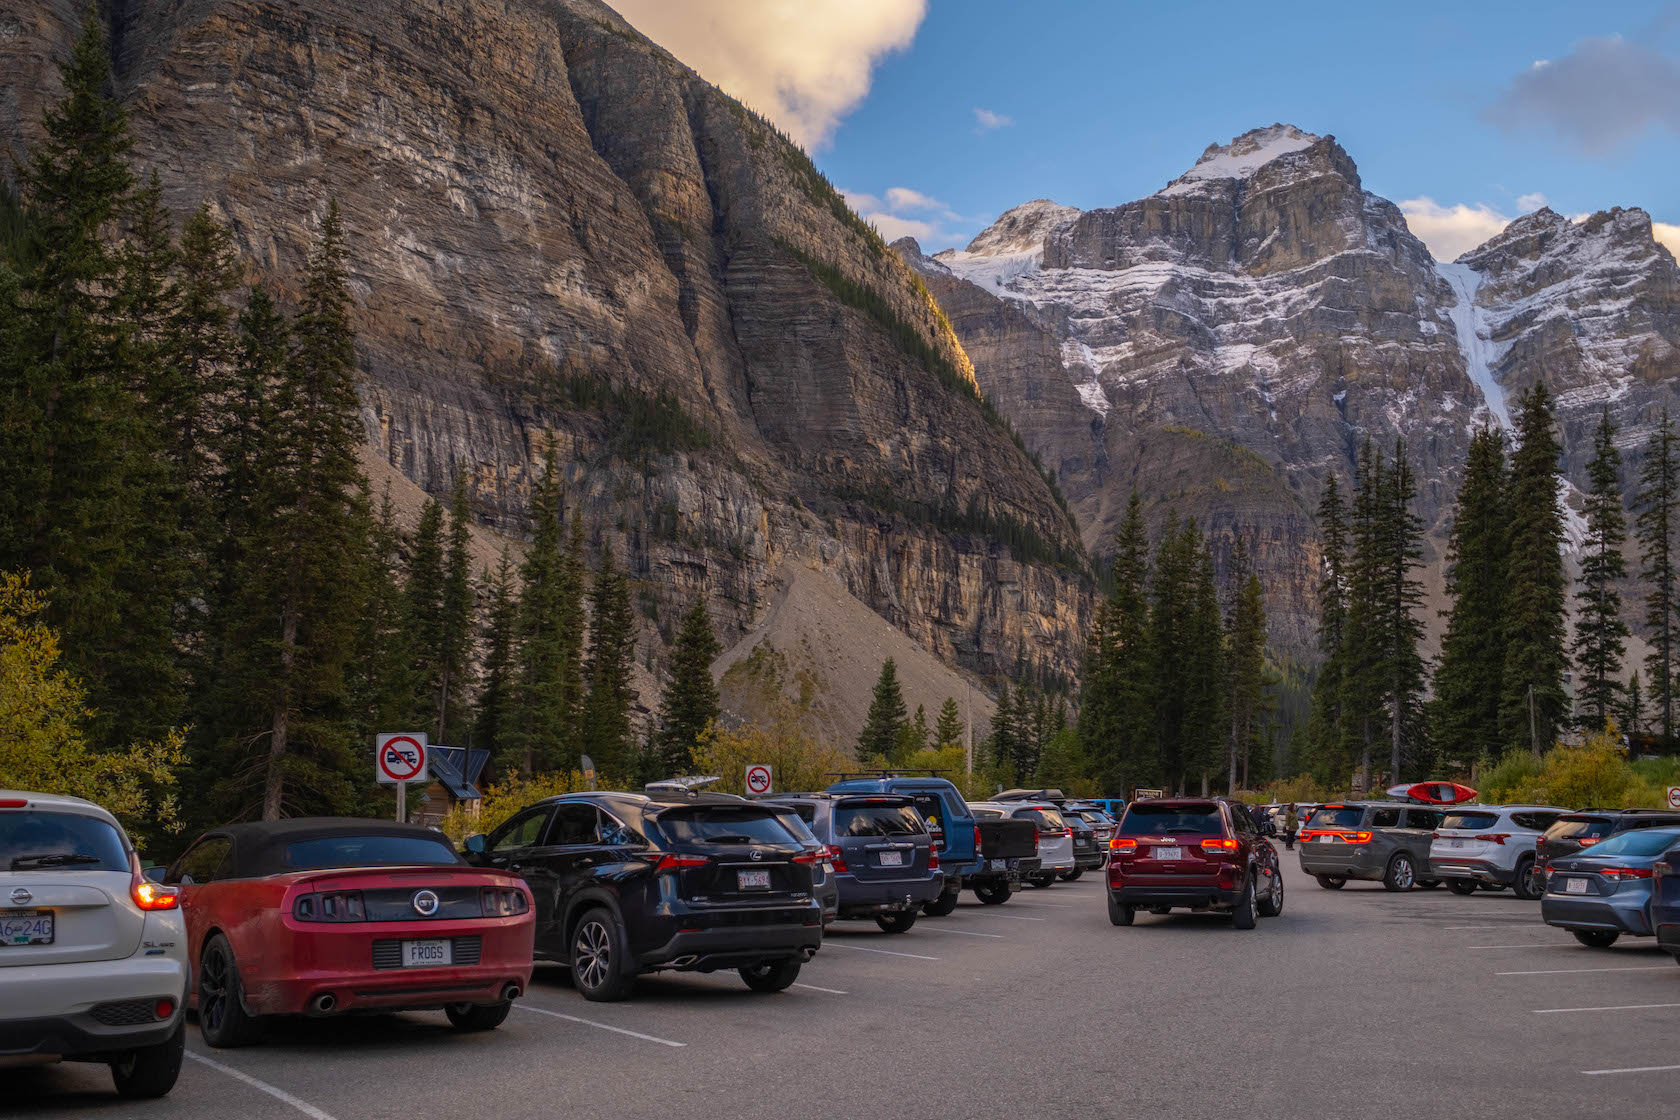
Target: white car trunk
[[88, 918]]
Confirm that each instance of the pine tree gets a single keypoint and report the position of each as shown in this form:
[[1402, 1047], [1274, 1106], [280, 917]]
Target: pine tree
[[690, 703], [1633, 707], [1323, 752], [1002, 744], [423, 613], [612, 654], [886, 715], [913, 736], [1363, 668], [948, 728], [1532, 701], [1600, 633], [541, 726], [1405, 675], [1203, 731], [1658, 520], [456, 644], [1245, 645], [379, 683], [501, 621], [1465, 711]]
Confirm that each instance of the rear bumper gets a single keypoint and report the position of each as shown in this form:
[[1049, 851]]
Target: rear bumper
[[867, 897], [1347, 861], [49, 1009], [1605, 912], [1478, 869], [1199, 895], [1090, 861], [707, 950], [1668, 936]]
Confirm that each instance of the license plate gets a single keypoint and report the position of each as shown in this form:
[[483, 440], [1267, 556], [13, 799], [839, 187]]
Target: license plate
[[1574, 886], [753, 880], [428, 954], [1169, 853], [1455, 843], [892, 859], [26, 927], [998, 864]]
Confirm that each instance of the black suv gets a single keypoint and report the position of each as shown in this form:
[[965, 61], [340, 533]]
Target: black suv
[[626, 883]]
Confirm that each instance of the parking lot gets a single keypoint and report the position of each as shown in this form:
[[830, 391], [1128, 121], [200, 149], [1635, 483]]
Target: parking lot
[[1354, 1003]]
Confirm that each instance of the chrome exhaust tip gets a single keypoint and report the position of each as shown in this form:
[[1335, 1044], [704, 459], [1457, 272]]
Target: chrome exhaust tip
[[323, 1004], [511, 993], [684, 962]]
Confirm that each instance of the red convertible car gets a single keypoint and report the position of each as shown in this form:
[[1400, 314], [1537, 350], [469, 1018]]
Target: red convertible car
[[325, 916]]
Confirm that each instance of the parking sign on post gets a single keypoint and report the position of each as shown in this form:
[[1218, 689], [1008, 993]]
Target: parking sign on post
[[399, 757], [758, 778], [1674, 797]]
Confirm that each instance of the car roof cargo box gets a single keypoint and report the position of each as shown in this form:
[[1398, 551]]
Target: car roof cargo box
[[1031, 795]]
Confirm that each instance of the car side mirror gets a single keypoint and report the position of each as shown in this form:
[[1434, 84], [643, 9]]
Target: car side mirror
[[475, 844], [155, 874]]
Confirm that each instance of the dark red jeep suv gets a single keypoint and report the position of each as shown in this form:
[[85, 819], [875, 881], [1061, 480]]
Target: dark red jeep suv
[[1196, 853]]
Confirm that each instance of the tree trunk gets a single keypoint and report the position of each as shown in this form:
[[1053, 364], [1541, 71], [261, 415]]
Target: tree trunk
[[274, 781]]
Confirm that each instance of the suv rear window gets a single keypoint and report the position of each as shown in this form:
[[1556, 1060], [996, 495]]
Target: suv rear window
[[877, 820], [1470, 820], [1638, 842], [61, 841], [1575, 828], [368, 851], [1338, 816], [1047, 820], [724, 826], [1160, 820], [794, 822], [986, 814]]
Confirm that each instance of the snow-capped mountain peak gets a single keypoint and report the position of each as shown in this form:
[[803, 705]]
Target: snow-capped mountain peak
[[1021, 228], [1242, 157]]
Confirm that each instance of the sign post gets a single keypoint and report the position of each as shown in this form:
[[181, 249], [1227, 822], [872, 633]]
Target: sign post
[[588, 771], [399, 757], [1674, 797], [758, 778]]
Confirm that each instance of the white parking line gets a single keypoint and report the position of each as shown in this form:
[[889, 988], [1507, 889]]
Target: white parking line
[[1501, 925], [815, 988], [886, 952], [1630, 1069], [1620, 1007], [965, 933], [1008, 917], [598, 1026], [1617, 968], [1525, 945], [281, 1095]]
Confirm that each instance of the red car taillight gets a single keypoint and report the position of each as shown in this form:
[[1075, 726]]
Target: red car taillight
[[669, 862], [502, 902], [933, 858], [977, 844], [1589, 841], [1219, 844], [330, 906], [1622, 874], [1125, 845], [808, 857], [149, 896], [838, 860], [1495, 837]]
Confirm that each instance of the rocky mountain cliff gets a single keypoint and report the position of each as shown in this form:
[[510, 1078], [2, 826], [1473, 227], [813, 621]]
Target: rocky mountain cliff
[[559, 234], [1226, 342]]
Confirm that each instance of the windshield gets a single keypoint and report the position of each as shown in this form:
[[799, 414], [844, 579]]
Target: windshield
[[1165, 820], [1470, 820], [61, 841], [1344, 816], [724, 826], [1641, 842], [368, 851], [877, 820], [1579, 828]]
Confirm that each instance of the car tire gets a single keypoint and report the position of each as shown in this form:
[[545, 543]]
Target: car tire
[[148, 1072], [994, 895], [222, 1018], [1245, 913], [1401, 873], [600, 966], [1491, 888], [1331, 882], [1464, 887], [1272, 905], [896, 923], [1428, 884], [771, 976], [1523, 885], [1119, 913], [1596, 938], [469, 1017], [1160, 910], [944, 904], [1070, 876], [1041, 881]]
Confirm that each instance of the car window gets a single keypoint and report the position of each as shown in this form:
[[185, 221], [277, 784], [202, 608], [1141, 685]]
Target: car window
[[40, 838], [1427, 819], [521, 832], [1241, 820], [877, 820], [1385, 818], [1647, 822], [932, 809], [1537, 822], [368, 851], [1047, 820], [724, 825], [1144, 819], [616, 834], [986, 814], [795, 824], [1338, 816], [807, 812], [201, 862], [1576, 827], [1464, 818], [1639, 842], [575, 822]]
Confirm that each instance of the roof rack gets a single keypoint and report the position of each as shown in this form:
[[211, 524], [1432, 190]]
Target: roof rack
[[889, 772]]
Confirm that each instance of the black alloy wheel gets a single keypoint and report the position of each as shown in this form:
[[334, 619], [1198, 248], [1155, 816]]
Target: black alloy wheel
[[1246, 913], [1272, 904], [1525, 886], [222, 1017], [599, 967]]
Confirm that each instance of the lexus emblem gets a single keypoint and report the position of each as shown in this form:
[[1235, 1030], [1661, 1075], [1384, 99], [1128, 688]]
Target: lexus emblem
[[425, 903], [756, 854], [22, 897]]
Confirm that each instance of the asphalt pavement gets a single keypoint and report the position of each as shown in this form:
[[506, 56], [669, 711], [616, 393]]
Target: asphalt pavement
[[1354, 1003]]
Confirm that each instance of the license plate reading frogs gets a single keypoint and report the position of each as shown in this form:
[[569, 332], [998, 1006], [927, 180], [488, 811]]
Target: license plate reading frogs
[[428, 954]]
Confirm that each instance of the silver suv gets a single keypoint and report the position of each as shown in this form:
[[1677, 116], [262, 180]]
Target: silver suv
[[1384, 841], [1490, 846]]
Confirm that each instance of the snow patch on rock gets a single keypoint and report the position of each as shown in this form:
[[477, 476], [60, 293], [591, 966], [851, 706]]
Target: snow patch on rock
[[1242, 157], [1480, 352]]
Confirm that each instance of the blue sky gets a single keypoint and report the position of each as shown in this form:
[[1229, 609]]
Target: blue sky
[[1097, 103]]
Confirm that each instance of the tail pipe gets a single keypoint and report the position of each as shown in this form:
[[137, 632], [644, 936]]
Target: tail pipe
[[511, 992], [323, 1004]]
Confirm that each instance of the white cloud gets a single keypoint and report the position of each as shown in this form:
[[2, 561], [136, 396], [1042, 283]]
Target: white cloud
[[861, 202], [894, 226], [906, 212], [803, 63], [1667, 234], [903, 198], [1528, 203], [1452, 231], [1602, 96], [985, 120]]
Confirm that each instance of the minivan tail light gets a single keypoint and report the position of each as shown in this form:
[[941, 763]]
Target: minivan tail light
[[838, 860], [1219, 844], [669, 862], [150, 896]]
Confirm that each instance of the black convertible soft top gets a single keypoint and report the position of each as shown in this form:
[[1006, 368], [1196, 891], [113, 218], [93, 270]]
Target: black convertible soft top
[[259, 847]]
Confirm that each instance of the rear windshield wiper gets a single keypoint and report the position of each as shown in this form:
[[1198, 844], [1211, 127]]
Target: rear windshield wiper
[[53, 859]]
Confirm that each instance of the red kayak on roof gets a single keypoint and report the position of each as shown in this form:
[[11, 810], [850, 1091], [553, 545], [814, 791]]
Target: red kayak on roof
[[1434, 793]]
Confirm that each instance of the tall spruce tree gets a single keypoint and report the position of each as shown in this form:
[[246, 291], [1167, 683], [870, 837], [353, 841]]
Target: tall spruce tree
[[423, 612], [948, 728], [1658, 520], [1405, 674], [914, 736], [1323, 750], [1002, 742], [1465, 711], [886, 716], [1205, 686], [501, 620], [1364, 674], [456, 644], [1532, 703], [1600, 634], [1115, 719], [1632, 714], [1171, 604], [690, 702], [1245, 651], [607, 736], [541, 727]]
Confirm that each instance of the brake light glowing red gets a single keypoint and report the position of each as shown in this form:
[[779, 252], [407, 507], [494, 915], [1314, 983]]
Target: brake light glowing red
[[149, 896], [808, 857], [1219, 844], [669, 862], [1122, 844], [1589, 841], [838, 860]]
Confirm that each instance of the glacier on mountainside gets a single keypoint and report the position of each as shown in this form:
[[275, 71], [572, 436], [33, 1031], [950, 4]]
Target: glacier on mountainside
[[1480, 351]]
